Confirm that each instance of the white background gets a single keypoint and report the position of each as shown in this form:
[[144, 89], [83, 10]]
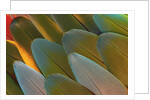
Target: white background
[[141, 29], [141, 26], [4, 4]]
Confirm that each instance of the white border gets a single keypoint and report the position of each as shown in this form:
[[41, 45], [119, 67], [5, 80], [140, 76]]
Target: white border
[[130, 95], [5, 4], [141, 27]]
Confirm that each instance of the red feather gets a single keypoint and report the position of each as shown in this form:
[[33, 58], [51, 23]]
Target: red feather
[[8, 32]]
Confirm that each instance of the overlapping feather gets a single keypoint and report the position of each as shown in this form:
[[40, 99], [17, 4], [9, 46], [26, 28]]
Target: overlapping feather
[[98, 66]]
